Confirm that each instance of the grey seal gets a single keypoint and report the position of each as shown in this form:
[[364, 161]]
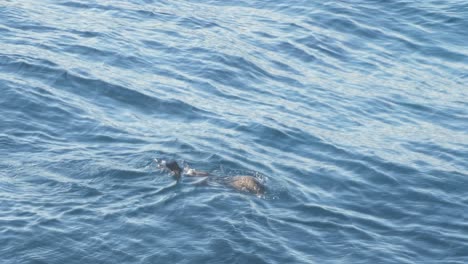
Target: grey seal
[[244, 183]]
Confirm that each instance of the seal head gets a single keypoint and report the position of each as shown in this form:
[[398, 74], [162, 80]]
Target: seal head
[[248, 184]]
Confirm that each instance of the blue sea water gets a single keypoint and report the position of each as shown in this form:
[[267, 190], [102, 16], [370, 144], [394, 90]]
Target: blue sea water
[[354, 114]]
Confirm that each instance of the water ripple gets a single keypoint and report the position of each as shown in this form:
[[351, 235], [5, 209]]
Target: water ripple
[[353, 114]]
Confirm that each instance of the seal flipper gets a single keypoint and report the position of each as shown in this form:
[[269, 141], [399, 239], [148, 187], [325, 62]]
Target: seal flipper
[[174, 168]]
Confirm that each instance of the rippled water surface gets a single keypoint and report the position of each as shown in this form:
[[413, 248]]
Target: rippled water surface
[[354, 114]]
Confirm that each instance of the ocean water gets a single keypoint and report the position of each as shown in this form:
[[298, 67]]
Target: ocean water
[[353, 114]]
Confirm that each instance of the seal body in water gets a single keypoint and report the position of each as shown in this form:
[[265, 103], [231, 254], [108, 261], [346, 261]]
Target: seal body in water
[[242, 183]]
